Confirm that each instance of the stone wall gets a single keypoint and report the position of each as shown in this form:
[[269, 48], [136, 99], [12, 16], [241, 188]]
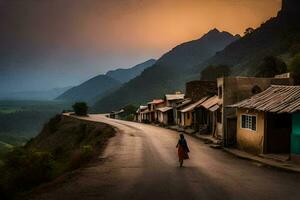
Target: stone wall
[[196, 90]]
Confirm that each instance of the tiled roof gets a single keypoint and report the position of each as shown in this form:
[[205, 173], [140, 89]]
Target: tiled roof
[[276, 99]]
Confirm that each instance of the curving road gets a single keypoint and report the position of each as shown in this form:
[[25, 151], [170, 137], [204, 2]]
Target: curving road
[[141, 163]]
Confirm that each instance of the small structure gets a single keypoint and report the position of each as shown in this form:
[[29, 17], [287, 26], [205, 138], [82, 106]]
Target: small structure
[[116, 114], [208, 117], [186, 113], [165, 115], [269, 122], [140, 115], [179, 105], [152, 109], [234, 89], [171, 100]]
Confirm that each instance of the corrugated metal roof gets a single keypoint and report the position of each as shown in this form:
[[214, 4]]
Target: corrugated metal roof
[[141, 109], [170, 97], [214, 108], [276, 99], [210, 102], [164, 109], [156, 101], [183, 103], [193, 106]]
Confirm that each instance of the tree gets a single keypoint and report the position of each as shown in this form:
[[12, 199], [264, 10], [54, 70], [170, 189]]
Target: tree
[[212, 72], [80, 108], [270, 67], [295, 69], [249, 31]]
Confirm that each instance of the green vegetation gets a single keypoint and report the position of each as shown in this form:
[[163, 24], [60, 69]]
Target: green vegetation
[[295, 68], [63, 145], [21, 120], [80, 108], [213, 72], [271, 66], [129, 112]]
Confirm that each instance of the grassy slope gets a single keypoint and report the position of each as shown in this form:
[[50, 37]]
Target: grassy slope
[[63, 145]]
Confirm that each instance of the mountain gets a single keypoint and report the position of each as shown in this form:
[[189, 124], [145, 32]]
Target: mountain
[[90, 89], [168, 74], [124, 75], [279, 36], [35, 95], [102, 85]]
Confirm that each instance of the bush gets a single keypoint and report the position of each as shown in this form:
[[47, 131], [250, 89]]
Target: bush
[[80, 108], [212, 72], [271, 66], [295, 68], [81, 156], [25, 169]]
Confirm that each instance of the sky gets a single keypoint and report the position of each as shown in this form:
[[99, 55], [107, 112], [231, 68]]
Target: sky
[[55, 43]]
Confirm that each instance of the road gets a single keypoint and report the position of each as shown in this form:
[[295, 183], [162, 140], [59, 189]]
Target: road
[[141, 163]]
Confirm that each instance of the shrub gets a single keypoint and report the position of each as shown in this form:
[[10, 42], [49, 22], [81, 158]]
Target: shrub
[[270, 67], [212, 72], [80, 108], [295, 68], [25, 169], [81, 156]]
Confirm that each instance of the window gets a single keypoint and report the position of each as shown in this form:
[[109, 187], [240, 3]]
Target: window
[[248, 122], [188, 115]]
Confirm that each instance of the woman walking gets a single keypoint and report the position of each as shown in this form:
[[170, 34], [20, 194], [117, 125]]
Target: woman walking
[[183, 149]]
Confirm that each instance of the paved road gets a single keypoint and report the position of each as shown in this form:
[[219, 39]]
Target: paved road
[[141, 163]]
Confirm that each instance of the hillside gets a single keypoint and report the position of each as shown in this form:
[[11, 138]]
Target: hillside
[[90, 89], [102, 85], [279, 36], [168, 74], [63, 145], [124, 75]]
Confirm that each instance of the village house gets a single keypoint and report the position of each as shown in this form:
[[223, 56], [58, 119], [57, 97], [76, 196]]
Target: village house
[[180, 105], [234, 89], [196, 92], [168, 114], [140, 115], [116, 114], [152, 114], [186, 118], [165, 115], [269, 122], [207, 117]]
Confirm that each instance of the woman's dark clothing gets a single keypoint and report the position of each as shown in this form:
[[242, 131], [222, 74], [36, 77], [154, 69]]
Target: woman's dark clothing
[[183, 149]]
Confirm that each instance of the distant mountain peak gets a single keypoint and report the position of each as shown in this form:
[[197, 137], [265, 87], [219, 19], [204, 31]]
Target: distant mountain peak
[[124, 75], [215, 30]]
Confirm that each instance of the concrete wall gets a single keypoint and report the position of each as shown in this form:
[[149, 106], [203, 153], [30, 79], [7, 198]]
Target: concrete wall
[[196, 90], [248, 140]]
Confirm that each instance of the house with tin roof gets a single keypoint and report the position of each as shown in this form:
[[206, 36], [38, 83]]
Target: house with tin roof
[[269, 122]]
